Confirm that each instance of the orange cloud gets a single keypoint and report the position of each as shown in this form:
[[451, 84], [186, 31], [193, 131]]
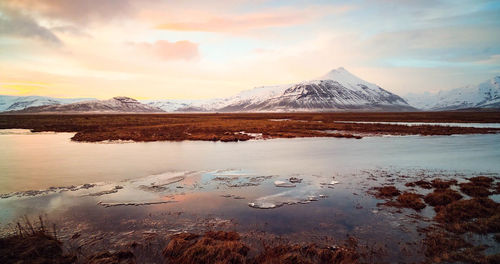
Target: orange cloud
[[220, 24], [180, 50], [243, 22]]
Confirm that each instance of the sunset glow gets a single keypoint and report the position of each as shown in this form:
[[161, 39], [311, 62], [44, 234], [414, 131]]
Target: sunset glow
[[206, 49]]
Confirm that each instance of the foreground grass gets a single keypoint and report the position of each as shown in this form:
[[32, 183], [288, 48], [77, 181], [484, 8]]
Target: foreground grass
[[40, 246]]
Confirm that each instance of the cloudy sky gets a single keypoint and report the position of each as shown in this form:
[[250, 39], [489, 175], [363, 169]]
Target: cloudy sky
[[214, 48]]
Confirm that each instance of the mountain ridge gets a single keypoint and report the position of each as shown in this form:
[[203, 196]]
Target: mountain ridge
[[118, 104], [483, 95], [14, 103], [337, 90]]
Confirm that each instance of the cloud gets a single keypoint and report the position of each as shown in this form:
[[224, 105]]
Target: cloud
[[493, 59], [257, 20], [71, 30], [165, 50], [240, 23], [17, 24], [80, 11]]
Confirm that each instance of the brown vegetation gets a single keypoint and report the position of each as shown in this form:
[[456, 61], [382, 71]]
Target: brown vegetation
[[474, 190], [449, 248], [120, 257], [291, 254], [442, 184], [420, 183], [236, 127], [448, 241], [386, 192], [411, 200], [482, 180], [226, 247], [32, 244], [480, 215], [477, 186], [442, 197], [36, 244], [38, 247], [213, 247]]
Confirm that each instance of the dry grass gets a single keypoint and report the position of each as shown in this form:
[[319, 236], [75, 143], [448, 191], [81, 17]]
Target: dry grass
[[33, 243], [442, 197], [448, 240], [442, 247], [480, 215], [213, 247], [442, 184], [420, 183], [227, 127], [477, 186], [386, 192], [120, 257], [411, 200], [226, 247], [309, 254]]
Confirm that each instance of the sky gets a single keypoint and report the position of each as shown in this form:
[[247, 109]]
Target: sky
[[198, 49]]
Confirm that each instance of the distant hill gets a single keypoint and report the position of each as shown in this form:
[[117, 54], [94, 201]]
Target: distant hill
[[339, 90], [482, 96], [14, 103], [113, 105]]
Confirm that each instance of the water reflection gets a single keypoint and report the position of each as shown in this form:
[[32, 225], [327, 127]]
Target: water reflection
[[44, 160], [210, 185]]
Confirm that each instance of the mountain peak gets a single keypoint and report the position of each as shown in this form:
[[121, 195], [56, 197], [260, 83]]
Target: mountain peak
[[337, 71], [125, 99], [344, 77]]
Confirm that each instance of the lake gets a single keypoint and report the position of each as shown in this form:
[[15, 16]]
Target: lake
[[131, 189]]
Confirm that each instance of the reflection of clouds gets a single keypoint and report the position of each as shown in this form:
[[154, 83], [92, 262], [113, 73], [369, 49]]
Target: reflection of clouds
[[54, 202], [303, 193]]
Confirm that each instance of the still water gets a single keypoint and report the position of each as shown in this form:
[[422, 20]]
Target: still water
[[38, 161], [126, 190]]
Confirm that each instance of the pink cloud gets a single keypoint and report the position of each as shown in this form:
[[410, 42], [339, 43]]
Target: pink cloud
[[165, 50], [258, 20]]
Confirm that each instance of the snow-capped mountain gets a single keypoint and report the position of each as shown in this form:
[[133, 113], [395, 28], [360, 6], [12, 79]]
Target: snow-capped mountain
[[13, 103], [338, 90], [173, 105], [483, 95], [115, 104]]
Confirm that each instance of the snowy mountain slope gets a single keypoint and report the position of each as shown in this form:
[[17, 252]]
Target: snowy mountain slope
[[483, 95], [115, 104], [172, 105], [338, 90], [13, 103]]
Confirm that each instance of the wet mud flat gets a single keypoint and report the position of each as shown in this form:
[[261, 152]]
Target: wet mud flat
[[228, 127], [380, 215]]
